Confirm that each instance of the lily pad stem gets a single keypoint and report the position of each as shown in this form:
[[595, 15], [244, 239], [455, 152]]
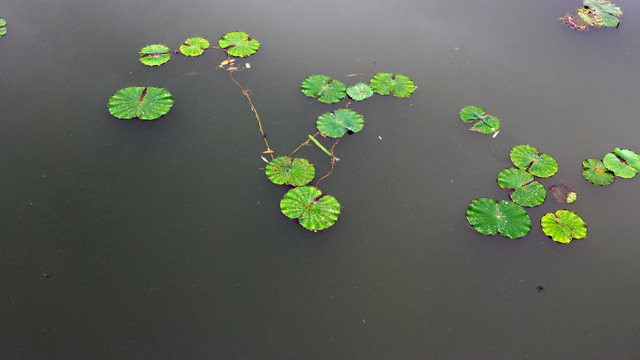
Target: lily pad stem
[[322, 148]]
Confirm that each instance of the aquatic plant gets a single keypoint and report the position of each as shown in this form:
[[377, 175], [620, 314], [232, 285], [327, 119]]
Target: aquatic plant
[[530, 159], [595, 172], [490, 217], [387, 83], [484, 123], [563, 193], [359, 91], [146, 103], [238, 43], [287, 171], [525, 191], [595, 13], [194, 46], [323, 88], [337, 123], [154, 55], [313, 210], [563, 226], [3, 26]]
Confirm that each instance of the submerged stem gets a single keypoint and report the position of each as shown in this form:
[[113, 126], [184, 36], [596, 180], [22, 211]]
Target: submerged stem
[[323, 148]]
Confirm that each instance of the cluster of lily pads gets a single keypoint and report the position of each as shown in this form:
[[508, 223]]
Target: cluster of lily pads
[[595, 13], [3, 26], [483, 122], [622, 163]]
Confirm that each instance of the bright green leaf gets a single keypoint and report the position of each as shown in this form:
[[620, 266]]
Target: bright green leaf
[[491, 217], [563, 226], [513, 178], [3, 26], [146, 103], [594, 171], [563, 194], [323, 88], [529, 195], [489, 124], [359, 91], [618, 166], [530, 159], [631, 158], [388, 83], [470, 114], [313, 210], [336, 124], [154, 55], [285, 170], [239, 44], [194, 46]]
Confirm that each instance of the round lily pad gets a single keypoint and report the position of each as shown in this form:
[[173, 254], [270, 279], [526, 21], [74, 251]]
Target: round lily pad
[[194, 46], [631, 158], [618, 166], [154, 55], [285, 170], [359, 91], [563, 226], [530, 159], [388, 83], [146, 103], [323, 88], [313, 210], [3, 26], [471, 114], [238, 43], [488, 124], [336, 124], [594, 171], [563, 194], [490, 217], [529, 195], [513, 178]]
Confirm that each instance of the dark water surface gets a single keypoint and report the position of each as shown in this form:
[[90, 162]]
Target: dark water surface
[[164, 239]]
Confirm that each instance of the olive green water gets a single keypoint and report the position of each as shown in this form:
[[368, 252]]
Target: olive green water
[[164, 239]]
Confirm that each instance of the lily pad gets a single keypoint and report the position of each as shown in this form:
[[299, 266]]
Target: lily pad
[[529, 195], [146, 103], [530, 159], [388, 83], [285, 170], [3, 26], [471, 114], [631, 158], [604, 9], [194, 46], [313, 210], [336, 124], [595, 172], [486, 124], [563, 226], [154, 55], [563, 194], [490, 217], [359, 91], [618, 166], [238, 43], [323, 88], [513, 178]]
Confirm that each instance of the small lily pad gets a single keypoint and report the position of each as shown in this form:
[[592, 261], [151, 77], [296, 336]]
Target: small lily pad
[[388, 83], [238, 43], [313, 210], [618, 166], [194, 46], [563, 193], [359, 91], [154, 55], [631, 158], [336, 124], [594, 171], [604, 9], [484, 123], [530, 159], [529, 195], [513, 178], [3, 26], [285, 170], [490, 217], [323, 88], [563, 226], [471, 114], [146, 103]]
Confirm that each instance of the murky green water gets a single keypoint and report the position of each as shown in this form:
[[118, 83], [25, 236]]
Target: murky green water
[[164, 239]]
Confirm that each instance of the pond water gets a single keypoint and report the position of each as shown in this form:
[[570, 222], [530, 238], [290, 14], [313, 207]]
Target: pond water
[[164, 239]]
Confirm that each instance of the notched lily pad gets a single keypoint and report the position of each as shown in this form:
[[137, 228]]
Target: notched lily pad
[[359, 91], [484, 123], [513, 178], [563, 193], [285, 170], [631, 158], [529, 195], [530, 159], [154, 55], [595, 172], [238, 43], [313, 210], [194, 46], [490, 217], [323, 88], [619, 166], [563, 226], [3, 26], [146, 103], [336, 124], [388, 83]]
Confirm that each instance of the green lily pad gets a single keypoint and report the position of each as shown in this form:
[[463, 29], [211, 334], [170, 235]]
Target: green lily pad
[[486, 124], [471, 114], [146, 103], [604, 9], [490, 217], [154, 55], [388, 83], [618, 166], [285, 170], [563, 226], [594, 171], [194, 46], [631, 158], [323, 88], [336, 124], [563, 194], [359, 91], [590, 18], [529, 195], [513, 178], [313, 210], [238, 43], [3, 26], [530, 159]]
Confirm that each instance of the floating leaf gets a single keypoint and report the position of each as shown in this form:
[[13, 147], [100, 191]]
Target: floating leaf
[[606, 10], [594, 171], [471, 114], [590, 17], [574, 22], [359, 91], [323, 88], [529, 195], [285, 170], [618, 166], [154, 55], [563, 194], [490, 217], [486, 124], [194, 46], [513, 178], [239, 44], [631, 158], [3, 26], [336, 124], [563, 226], [530, 159], [388, 83], [146, 103], [313, 210]]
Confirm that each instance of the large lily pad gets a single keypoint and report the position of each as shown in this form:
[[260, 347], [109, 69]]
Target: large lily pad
[[484, 123], [285, 170], [154, 55], [619, 166], [359, 91], [529, 195], [563, 226], [530, 159], [194, 46], [146, 103], [595, 172], [336, 124], [3, 26], [388, 83], [490, 217], [313, 210], [238, 43], [631, 158], [323, 88]]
